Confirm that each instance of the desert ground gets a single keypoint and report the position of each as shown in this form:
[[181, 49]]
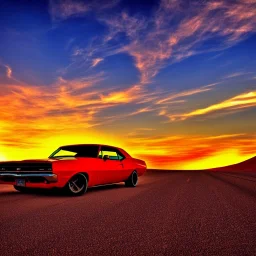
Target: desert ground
[[168, 213]]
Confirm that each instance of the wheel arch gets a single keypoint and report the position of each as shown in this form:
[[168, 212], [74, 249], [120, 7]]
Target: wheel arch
[[83, 173]]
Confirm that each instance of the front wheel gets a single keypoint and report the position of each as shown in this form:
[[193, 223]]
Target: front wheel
[[132, 180], [77, 185]]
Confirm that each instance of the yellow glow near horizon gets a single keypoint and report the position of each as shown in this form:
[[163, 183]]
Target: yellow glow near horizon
[[220, 159], [37, 133], [51, 143], [2, 157]]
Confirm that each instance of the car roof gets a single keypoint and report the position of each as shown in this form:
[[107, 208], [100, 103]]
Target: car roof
[[81, 145], [102, 145]]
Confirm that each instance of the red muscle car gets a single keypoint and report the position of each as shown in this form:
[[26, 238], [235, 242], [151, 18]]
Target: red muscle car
[[74, 168]]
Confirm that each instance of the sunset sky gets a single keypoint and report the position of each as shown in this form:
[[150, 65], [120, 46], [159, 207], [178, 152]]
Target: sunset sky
[[173, 82]]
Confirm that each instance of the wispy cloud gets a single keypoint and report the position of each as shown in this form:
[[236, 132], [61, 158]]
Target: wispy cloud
[[216, 56], [8, 72], [242, 101], [186, 93], [90, 55], [96, 61], [166, 43], [123, 96], [64, 9], [236, 74]]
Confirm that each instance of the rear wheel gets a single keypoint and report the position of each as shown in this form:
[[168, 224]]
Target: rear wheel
[[77, 185], [132, 180]]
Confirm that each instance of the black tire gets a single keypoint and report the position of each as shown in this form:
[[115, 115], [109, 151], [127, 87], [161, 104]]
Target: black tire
[[77, 185], [21, 189], [132, 180]]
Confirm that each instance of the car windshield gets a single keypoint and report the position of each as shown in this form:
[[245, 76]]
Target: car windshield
[[76, 151]]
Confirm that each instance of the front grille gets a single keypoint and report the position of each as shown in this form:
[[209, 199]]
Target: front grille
[[20, 167]]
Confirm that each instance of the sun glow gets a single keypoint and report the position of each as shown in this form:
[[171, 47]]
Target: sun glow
[[44, 146], [2, 157], [220, 159]]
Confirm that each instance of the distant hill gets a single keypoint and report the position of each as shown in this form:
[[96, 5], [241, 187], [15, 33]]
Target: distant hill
[[247, 165]]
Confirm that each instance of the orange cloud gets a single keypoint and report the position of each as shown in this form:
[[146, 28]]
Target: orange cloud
[[96, 61], [125, 96], [35, 119], [32, 113], [193, 152], [49, 108], [246, 100]]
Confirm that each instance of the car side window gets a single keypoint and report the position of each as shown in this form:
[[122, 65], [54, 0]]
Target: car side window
[[112, 154]]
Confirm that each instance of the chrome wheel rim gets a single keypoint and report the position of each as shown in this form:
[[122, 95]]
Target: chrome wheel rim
[[77, 184], [134, 178]]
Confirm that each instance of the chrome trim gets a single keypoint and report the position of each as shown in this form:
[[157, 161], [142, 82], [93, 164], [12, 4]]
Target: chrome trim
[[50, 177]]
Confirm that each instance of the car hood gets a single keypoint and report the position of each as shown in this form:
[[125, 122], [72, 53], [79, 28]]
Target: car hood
[[40, 161]]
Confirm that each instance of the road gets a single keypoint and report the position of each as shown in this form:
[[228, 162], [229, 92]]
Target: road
[[168, 213]]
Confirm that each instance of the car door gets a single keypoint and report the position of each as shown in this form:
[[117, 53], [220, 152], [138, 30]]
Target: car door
[[111, 166], [126, 169]]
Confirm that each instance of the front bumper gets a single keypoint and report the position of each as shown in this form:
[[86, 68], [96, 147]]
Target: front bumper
[[32, 177]]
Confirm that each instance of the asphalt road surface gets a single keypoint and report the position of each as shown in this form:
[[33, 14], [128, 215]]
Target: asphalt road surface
[[168, 213]]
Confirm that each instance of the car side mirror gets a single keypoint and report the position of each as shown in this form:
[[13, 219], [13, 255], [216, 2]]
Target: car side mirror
[[105, 157]]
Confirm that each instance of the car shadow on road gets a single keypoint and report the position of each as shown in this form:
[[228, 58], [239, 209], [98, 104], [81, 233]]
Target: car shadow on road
[[105, 187], [36, 192]]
